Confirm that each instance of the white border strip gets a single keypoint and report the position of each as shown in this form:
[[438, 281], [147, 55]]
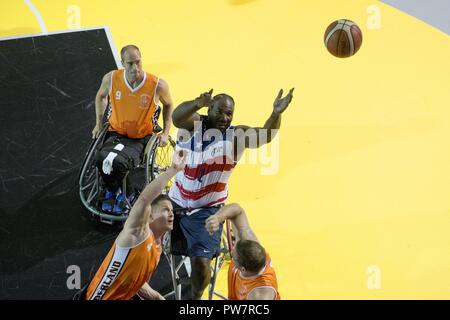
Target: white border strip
[[113, 47], [37, 15], [50, 33], [106, 29], [138, 87]]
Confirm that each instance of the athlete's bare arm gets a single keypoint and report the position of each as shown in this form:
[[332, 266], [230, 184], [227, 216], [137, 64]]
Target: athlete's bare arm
[[101, 101], [148, 293], [252, 137], [237, 216], [136, 224], [185, 115], [166, 100], [262, 294], [138, 215]]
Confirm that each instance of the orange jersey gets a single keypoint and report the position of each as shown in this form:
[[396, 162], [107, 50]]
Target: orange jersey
[[134, 112], [124, 271], [239, 286]]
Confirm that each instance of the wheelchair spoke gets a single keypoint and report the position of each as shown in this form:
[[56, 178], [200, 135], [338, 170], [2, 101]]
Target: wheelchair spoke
[[160, 161], [88, 177], [87, 186], [93, 193]]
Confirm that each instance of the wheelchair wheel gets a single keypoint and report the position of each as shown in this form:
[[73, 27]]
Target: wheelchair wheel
[[90, 182], [159, 159], [223, 256]]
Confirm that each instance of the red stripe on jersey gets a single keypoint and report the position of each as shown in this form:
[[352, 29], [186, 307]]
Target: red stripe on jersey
[[217, 201], [195, 195], [222, 164]]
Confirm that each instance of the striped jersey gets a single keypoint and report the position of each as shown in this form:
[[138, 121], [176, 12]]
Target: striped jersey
[[239, 287], [134, 112], [210, 161], [124, 271]]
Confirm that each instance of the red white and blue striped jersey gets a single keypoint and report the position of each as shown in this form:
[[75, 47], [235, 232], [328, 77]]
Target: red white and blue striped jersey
[[210, 161]]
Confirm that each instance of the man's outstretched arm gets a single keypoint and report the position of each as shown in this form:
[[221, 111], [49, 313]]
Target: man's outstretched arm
[[252, 137], [148, 293], [166, 100], [138, 216], [101, 101], [185, 115], [237, 216]]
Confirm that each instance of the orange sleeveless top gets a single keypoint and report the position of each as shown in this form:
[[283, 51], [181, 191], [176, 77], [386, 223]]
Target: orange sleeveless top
[[124, 271], [239, 286], [134, 112]]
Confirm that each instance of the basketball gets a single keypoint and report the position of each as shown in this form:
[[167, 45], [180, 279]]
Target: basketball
[[343, 38]]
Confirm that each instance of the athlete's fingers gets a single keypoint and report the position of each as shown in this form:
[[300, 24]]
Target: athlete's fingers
[[280, 94]]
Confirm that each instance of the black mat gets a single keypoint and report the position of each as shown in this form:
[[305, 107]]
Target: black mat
[[47, 88]]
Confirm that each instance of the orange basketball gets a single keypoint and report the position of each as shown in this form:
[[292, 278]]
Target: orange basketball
[[343, 38]]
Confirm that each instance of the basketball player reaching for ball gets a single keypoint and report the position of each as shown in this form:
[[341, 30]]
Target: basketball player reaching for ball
[[135, 254], [214, 147], [250, 274]]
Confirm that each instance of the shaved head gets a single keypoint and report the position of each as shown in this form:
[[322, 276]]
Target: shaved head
[[128, 47]]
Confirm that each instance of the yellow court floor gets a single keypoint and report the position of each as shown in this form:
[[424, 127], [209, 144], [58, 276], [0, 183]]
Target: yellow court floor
[[353, 200]]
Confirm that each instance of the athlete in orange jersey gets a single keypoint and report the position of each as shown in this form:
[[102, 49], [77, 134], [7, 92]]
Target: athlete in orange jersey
[[133, 95], [250, 275], [135, 254]]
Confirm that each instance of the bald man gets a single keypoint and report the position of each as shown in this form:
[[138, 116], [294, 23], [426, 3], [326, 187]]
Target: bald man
[[133, 95]]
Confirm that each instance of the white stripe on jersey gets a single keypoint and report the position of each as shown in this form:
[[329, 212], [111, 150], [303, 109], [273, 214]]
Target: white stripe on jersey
[[216, 151], [115, 266], [200, 203], [195, 185]]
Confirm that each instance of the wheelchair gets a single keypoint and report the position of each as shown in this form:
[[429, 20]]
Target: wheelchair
[[175, 251], [154, 161]]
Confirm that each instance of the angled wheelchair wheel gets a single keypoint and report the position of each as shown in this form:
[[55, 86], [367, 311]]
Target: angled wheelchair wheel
[[224, 256], [89, 182], [159, 159]]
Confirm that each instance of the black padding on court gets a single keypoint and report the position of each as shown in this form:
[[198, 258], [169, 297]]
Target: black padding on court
[[47, 88]]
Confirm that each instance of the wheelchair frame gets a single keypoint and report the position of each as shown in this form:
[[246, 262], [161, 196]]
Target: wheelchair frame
[[223, 254], [89, 178]]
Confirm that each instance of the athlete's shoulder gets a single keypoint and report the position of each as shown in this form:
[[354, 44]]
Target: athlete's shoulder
[[108, 76], [162, 85], [152, 77], [114, 76], [262, 293]]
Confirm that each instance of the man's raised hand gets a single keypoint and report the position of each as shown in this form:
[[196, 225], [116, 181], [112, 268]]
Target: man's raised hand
[[280, 104], [205, 99]]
